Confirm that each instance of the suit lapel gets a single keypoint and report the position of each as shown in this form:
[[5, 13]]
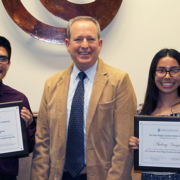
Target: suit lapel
[[100, 81], [62, 94]]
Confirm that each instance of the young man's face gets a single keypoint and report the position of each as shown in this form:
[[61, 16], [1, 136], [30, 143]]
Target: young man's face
[[84, 45], [3, 67]]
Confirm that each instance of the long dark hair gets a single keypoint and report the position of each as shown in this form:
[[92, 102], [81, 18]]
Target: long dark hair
[[152, 92]]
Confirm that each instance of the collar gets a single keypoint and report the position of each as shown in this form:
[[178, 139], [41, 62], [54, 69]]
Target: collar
[[90, 73]]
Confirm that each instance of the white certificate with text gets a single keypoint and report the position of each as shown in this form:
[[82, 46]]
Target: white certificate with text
[[10, 130], [159, 144]]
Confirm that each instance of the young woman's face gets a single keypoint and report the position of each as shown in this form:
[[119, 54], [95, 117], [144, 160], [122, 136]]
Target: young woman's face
[[167, 84]]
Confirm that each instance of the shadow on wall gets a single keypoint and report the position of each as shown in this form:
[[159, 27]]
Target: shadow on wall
[[51, 56]]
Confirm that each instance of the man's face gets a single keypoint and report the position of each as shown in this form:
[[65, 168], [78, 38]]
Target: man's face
[[3, 67], [84, 45]]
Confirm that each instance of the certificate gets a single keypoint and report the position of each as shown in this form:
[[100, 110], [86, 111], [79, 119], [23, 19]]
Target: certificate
[[13, 139], [159, 146]]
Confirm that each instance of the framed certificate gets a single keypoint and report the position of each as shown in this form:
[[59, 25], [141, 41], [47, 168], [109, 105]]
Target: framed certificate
[[13, 137], [159, 146]]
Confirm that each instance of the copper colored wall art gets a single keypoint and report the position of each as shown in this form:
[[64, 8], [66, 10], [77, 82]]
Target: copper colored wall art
[[103, 10]]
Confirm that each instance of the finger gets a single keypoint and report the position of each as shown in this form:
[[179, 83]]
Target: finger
[[133, 138], [133, 143], [134, 147], [25, 111]]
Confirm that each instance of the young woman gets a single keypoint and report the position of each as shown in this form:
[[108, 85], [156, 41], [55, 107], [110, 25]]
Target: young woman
[[162, 98]]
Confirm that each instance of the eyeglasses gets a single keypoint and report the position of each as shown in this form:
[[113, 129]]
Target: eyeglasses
[[4, 60], [160, 73]]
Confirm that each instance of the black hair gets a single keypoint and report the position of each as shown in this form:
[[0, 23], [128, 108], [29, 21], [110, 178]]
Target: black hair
[[6, 44], [152, 92]]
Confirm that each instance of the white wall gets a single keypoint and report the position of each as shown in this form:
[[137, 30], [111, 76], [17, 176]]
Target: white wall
[[139, 30]]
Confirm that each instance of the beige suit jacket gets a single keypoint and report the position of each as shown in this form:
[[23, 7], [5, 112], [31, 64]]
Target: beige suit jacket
[[110, 122]]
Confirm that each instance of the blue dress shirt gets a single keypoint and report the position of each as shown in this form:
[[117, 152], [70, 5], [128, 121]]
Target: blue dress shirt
[[88, 84]]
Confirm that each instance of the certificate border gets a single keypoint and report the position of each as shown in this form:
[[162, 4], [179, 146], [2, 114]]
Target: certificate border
[[25, 152], [138, 118]]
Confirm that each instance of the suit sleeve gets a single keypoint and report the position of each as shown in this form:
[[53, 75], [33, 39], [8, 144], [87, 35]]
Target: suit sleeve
[[41, 162], [125, 109]]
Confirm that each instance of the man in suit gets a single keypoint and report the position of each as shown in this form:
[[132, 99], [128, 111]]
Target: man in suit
[[109, 105]]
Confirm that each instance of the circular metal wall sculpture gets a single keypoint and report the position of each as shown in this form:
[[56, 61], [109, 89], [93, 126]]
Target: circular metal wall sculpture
[[102, 10]]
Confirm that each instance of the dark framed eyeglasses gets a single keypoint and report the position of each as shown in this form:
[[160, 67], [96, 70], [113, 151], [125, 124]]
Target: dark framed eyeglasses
[[160, 73], [4, 60]]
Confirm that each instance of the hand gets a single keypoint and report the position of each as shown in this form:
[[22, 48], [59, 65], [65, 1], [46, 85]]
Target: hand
[[133, 144], [27, 116]]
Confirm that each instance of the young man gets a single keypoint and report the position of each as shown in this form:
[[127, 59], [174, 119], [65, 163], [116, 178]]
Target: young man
[[9, 166]]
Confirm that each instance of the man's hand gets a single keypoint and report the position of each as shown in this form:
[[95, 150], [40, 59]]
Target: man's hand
[[27, 116]]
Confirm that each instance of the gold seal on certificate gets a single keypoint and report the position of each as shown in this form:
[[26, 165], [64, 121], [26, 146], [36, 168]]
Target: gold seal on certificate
[[13, 138], [159, 146]]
